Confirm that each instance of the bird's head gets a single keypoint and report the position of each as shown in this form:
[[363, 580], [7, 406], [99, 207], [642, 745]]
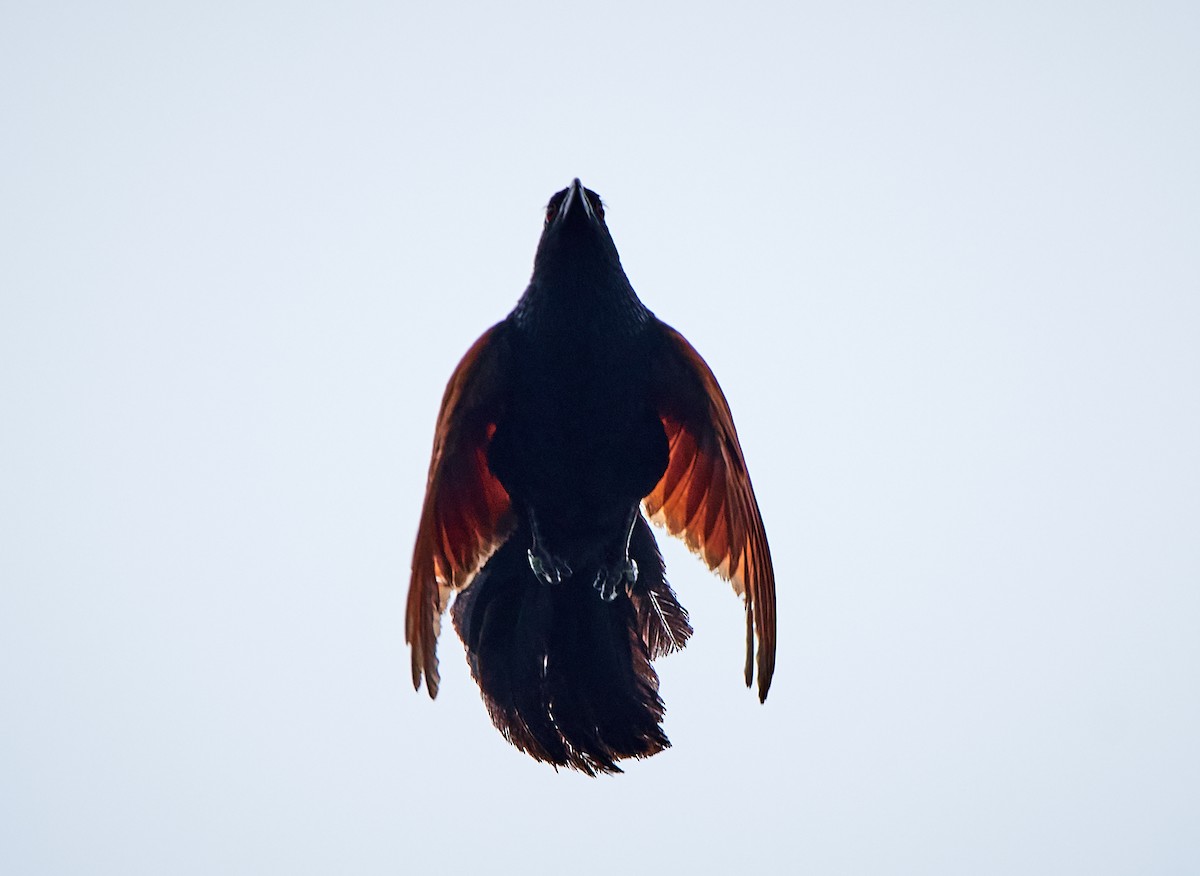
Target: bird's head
[[575, 235]]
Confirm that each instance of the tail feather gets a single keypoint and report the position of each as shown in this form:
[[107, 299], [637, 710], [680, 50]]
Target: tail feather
[[502, 619], [662, 621], [566, 676], [603, 690]]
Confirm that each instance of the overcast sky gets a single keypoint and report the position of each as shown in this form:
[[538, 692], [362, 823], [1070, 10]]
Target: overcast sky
[[943, 259]]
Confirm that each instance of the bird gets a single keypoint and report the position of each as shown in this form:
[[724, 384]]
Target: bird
[[566, 427]]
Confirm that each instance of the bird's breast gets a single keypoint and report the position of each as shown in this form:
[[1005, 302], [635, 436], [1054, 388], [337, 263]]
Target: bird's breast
[[579, 428]]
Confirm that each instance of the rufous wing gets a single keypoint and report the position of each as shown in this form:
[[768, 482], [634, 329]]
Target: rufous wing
[[705, 496], [466, 513]]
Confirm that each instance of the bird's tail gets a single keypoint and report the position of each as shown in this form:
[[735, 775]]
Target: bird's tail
[[565, 675]]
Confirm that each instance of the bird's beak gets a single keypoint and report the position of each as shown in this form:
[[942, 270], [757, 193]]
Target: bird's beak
[[576, 206]]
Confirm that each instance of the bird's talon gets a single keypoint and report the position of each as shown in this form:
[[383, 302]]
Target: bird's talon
[[548, 568], [604, 583], [609, 579]]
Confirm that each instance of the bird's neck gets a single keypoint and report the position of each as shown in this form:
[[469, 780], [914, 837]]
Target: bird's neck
[[581, 302]]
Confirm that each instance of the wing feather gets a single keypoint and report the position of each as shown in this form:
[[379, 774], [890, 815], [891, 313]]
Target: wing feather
[[466, 514], [705, 496]]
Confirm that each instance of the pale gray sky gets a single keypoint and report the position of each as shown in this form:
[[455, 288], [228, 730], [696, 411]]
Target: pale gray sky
[[942, 258]]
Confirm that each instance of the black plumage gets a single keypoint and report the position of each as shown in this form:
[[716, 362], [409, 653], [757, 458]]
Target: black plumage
[[559, 424]]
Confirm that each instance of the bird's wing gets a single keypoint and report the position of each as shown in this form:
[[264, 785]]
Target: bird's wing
[[466, 513], [705, 496]]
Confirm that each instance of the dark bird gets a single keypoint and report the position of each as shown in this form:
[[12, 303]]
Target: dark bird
[[558, 426]]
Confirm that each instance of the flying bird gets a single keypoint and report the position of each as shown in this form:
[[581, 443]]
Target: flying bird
[[559, 427]]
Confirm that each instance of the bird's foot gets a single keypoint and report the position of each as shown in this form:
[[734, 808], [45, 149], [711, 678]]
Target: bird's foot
[[548, 567], [609, 579]]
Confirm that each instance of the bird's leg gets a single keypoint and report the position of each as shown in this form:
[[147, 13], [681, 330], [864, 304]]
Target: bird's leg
[[621, 569], [545, 565]]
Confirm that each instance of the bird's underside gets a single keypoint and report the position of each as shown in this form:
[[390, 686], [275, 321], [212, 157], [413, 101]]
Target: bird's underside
[[559, 426]]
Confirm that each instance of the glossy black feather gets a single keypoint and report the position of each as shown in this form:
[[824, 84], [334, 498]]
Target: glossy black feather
[[561, 420], [566, 676]]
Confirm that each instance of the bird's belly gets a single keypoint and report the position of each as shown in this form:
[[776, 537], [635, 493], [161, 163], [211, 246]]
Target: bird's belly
[[578, 453]]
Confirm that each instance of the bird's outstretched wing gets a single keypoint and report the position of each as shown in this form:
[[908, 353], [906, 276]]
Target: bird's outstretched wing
[[705, 496], [466, 513]]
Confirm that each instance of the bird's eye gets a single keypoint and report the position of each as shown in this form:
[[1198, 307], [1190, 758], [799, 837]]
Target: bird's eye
[[593, 201], [555, 205]]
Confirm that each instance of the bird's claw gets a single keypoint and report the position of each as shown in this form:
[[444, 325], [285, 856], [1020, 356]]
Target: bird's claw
[[549, 568], [609, 579]]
